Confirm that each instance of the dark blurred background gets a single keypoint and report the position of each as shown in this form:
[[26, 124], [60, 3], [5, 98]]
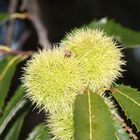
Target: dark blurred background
[[59, 16], [53, 18]]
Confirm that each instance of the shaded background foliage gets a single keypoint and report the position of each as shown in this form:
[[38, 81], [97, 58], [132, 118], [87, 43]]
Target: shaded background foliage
[[58, 17]]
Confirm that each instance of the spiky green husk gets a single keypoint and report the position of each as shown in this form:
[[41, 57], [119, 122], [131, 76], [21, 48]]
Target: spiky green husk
[[61, 125], [52, 80], [99, 54]]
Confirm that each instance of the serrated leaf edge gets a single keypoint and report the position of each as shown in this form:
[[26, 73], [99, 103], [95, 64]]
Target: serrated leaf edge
[[128, 97]]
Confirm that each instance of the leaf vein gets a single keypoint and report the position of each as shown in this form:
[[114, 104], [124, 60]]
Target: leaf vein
[[129, 98], [90, 117]]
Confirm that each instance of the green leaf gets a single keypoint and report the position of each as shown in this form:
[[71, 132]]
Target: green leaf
[[4, 62], [128, 37], [8, 118], [92, 118], [14, 132], [7, 70], [3, 16], [129, 99], [40, 132], [13, 106], [121, 132]]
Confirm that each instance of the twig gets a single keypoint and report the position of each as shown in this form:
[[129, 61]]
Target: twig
[[2, 51], [34, 16], [13, 5], [22, 39], [125, 127]]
